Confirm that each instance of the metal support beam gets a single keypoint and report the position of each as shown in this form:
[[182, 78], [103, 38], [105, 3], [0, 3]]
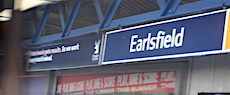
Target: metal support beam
[[62, 19], [98, 10], [110, 13], [71, 18], [171, 7], [33, 22], [140, 18], [42, 23], [161, 4]]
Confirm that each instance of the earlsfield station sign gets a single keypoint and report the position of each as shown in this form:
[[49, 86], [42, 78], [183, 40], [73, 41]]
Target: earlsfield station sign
[[202, 34], [196, 35]]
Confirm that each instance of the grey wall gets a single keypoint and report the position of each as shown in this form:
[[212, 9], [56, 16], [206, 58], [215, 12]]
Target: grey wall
[[36, 83], [36, 86], [210, 74]]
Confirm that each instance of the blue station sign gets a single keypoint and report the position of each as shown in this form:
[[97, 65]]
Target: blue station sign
[[188, 36], [64, 54]]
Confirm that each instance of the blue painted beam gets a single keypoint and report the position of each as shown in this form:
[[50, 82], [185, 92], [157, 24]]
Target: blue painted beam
[[201, 5], [42, 23], [161, 4], [71, 18], [170, 7], [62, 19], [154, 15], [98, 10], [110, 13], [33, 23]]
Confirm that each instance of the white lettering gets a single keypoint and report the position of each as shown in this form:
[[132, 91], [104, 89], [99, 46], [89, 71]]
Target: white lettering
[[179, 38], [162, 40], [72, 87], [80, 86], [70, 48], [109, 81], [143, 88], [89, 84], [59, 88], [148, 41], [168, 39], [168, 85], [150, 78], [95, 57], [167, 76], [133, 79], [152, 43], [123, 89], [139, 45], [122, 80], [102, 91], [97, 83], [133, 43], [41, 59], [173, 37]]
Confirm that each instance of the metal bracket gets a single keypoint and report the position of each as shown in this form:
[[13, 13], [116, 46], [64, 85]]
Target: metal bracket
[[170, 7]]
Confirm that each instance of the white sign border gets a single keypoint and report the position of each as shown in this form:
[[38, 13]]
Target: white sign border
[[173, 55]]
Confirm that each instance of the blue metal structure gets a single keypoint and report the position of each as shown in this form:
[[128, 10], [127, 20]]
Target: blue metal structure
[[98, 9], [42, 23], [61, 16], [170, 7], [71, 18], [109, 14], [161, 3], [167, 9]]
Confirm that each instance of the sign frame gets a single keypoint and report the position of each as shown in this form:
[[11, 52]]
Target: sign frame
[[225, 49]]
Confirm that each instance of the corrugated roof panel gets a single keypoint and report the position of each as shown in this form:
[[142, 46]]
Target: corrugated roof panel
[[104, 5], [188, 1], [87, 14], [134, 7]]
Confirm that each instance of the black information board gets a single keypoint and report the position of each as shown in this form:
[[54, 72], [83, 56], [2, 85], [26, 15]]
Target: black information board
[[64, 54]]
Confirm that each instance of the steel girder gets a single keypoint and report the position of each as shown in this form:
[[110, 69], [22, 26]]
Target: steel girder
[[172, 8], [62, 19], [109, 14], [42, 23], [98, 9], [71, 18]]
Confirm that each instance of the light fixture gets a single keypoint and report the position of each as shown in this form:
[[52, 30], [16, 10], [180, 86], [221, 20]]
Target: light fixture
[[6, 15], [24, 5], [27, 4]]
